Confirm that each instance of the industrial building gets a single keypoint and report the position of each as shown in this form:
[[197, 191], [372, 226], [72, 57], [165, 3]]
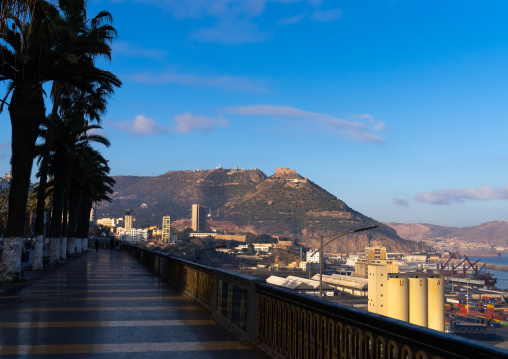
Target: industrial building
[[226, 237], [417, 298], [374, 255], [303, 285], [346, 284]]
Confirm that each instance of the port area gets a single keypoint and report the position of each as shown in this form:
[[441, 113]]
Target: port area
[[477, 314]]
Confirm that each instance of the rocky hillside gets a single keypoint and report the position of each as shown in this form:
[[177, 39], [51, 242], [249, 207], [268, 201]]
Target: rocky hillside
[[494, 232], [284, 204]]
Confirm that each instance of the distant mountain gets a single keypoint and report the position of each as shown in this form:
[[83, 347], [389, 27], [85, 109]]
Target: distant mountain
[[285, 204], [494, 232]]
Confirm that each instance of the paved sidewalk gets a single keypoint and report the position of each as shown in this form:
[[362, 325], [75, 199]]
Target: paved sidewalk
[[106, 304]]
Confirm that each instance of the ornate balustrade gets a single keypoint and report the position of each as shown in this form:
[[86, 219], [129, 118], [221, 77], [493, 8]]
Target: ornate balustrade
[[297, 326]]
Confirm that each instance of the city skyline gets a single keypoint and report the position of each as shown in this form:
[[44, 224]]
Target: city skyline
[[396, 108]]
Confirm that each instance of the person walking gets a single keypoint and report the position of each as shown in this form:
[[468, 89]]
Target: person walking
[[112, 243], [96, 245]]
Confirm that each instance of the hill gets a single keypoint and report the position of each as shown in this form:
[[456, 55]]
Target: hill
[[284, 204], [494, 232]]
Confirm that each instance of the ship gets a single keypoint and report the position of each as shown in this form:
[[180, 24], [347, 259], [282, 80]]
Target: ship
[[466, 269]]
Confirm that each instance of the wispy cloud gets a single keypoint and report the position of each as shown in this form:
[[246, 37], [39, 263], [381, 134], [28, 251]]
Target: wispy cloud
[[186, 123], [228, 83], [235, 22], [232, 32], [400, 202], [130, 49], [447, 196], [291, 20], [359, 130], [327, 15], [142, 126], [5, 150]]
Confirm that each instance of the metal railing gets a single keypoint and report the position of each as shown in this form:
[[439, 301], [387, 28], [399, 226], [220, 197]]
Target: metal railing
[[302, 327]]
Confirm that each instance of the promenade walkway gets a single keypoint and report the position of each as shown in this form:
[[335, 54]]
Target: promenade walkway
[[106, 304]]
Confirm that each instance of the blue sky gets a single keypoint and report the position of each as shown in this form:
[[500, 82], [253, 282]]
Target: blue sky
[[399, 108]]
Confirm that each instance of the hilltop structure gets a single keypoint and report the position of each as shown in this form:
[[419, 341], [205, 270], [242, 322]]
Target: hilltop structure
[[5, 182], [285, 204]]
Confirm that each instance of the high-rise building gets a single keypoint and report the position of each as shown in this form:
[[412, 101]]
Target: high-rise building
[[198, 218], [128, 220], [166, 229], [374, 255]]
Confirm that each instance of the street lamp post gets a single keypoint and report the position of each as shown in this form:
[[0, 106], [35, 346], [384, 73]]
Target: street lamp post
[[321, 246]]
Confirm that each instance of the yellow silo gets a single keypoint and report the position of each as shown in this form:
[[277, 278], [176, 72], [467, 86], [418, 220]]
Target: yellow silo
[[436, 303], [398, 298], [418, 301]]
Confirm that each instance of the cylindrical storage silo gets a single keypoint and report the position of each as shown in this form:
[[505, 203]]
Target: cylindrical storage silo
[[436, 303], [418, 301], [398, 298]]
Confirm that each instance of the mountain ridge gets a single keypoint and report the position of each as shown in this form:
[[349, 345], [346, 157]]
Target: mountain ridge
[[285, 204], [493, 232]]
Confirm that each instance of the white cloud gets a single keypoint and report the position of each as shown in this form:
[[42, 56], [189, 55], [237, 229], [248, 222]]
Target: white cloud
[[401, 202], [447, 196], [186, 123], [140, 126], [132, 50], [228, 83], [327, 15], [358, 130], [235, 21]]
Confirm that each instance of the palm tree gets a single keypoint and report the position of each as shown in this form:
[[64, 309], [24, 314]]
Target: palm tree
[[80, 29], [33, 55], [91, 183], [73, 137]]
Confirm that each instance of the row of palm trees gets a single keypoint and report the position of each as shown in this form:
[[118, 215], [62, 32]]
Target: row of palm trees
[[54, 42]]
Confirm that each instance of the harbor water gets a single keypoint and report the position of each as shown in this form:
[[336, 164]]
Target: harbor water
[[502, 276]]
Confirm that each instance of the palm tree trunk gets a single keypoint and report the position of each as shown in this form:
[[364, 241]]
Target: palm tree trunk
[[84, 219], [74, 206], [27, 112], [41, 198], [65, 223], [55, 231]]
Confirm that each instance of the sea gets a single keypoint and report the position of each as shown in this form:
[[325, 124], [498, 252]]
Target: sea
[[502, 276]]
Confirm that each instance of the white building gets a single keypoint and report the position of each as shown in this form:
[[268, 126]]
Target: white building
[[110, 222], [133, 235], [313, 256], [260, 247]]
